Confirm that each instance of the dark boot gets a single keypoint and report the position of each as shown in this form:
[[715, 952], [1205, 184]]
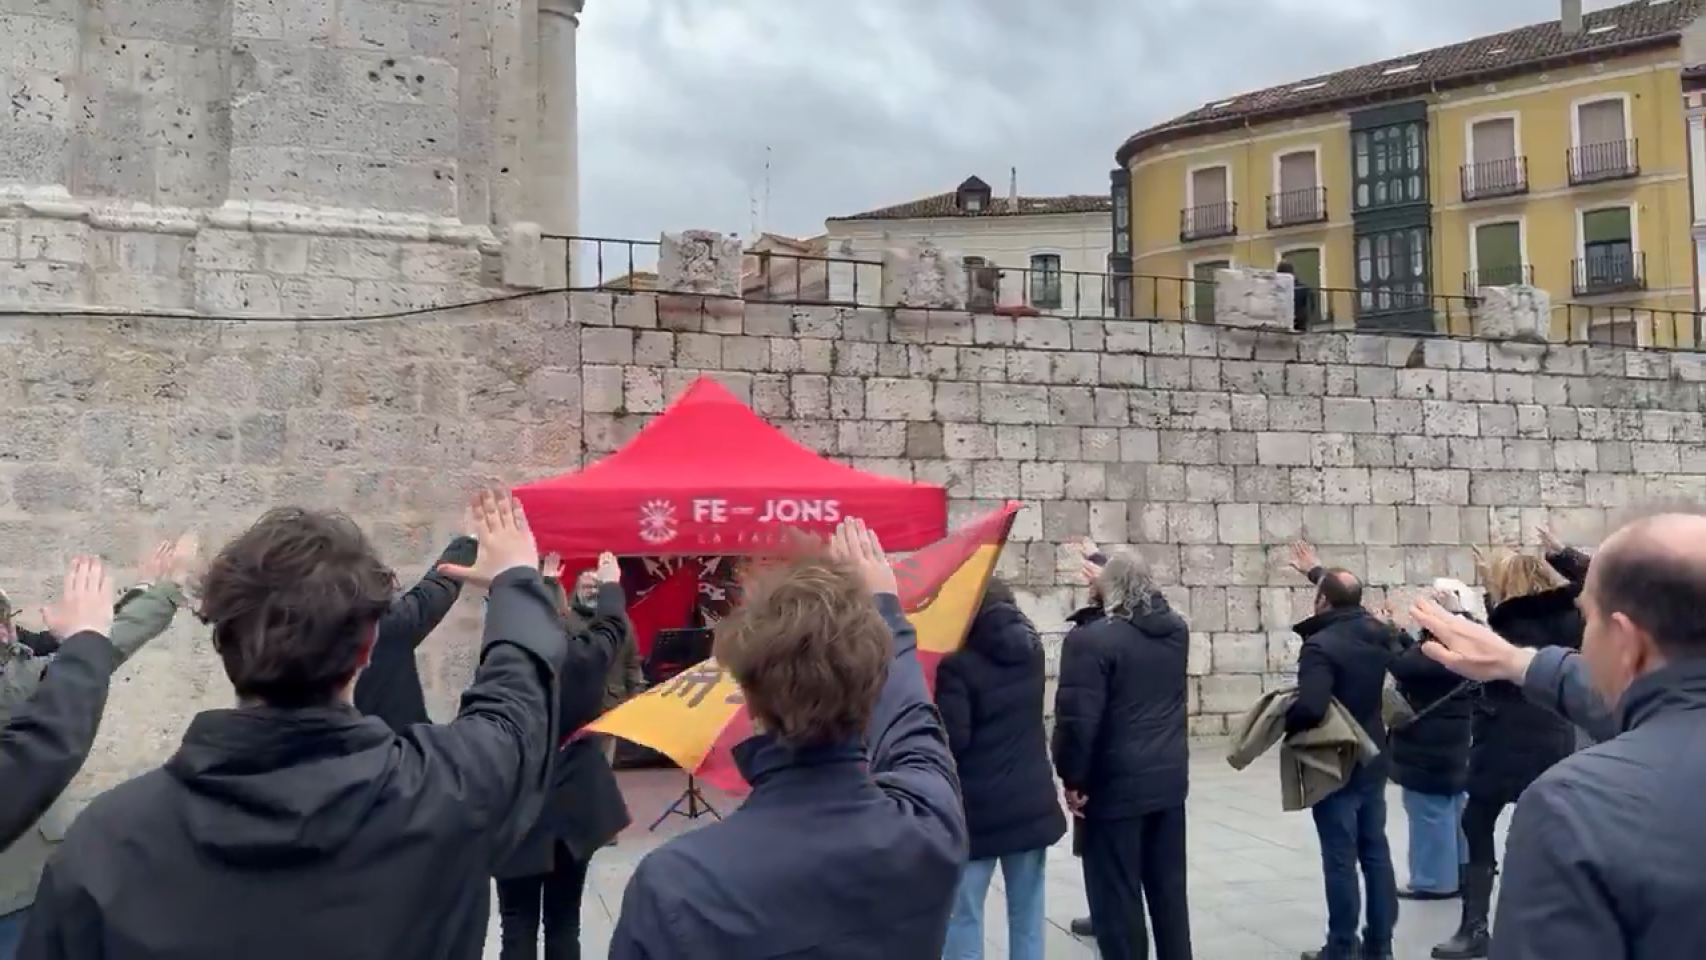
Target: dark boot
[[1081, 928], [1471, 940]]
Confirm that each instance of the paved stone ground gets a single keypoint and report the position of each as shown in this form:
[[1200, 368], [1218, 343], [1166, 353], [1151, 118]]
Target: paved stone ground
[[1255, 876]]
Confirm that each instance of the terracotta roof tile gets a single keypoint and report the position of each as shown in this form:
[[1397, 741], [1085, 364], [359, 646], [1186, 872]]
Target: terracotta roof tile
[[947, 205], [1624, 28]]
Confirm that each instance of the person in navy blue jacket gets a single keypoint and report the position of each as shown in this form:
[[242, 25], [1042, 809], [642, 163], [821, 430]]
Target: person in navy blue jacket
[[852, 841], [991, 695]]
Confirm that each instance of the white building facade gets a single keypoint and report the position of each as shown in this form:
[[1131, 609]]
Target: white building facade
[[1694, 98], [1050, 254]]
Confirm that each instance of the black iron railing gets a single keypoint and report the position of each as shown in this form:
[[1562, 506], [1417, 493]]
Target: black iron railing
[[1490, 179], [1208, 221], [1516, 274], [1291, 208], [1600, 162], [1617, 271]]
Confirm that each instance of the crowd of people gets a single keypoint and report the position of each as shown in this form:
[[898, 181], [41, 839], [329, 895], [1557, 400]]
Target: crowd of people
[[325, 815]]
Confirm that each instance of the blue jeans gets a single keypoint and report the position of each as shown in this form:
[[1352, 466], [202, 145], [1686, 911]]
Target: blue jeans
[[12, 933], [1022, 874], [1351, 825], [1437, 844]]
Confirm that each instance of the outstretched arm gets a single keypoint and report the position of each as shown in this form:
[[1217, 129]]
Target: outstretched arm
[[420, 610], [1558, 680], [49, 736]]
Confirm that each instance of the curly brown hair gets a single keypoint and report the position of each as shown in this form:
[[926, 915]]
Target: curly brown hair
[[293, 602], [808, 648]]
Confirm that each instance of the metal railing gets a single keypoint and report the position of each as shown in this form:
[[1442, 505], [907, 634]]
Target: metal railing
[[1599, 274], [1208, 221], [625, 267], [1600, 162], [1489, 179], [1507, 276], [1291, 208]]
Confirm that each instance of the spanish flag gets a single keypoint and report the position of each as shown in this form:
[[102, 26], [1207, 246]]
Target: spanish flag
[[697, 718]]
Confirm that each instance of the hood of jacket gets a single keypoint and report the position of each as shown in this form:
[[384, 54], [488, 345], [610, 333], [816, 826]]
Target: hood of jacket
[[1535, 606], [1003, 634], [1159, 620], [269, 787]]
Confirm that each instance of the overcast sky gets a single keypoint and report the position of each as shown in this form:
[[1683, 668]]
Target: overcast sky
[[864, 103]]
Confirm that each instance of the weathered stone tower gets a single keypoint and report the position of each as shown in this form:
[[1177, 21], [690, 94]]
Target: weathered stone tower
[[284, 157]]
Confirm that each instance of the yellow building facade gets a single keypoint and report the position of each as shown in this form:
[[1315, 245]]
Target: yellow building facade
[[1572, 177]]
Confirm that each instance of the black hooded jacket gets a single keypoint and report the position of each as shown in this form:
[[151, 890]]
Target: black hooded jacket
[[390, 687], [1119, 712], [991, 696], [1431, 754], [1516, 740], [278, 835]]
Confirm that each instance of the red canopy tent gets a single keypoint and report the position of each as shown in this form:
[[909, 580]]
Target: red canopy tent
[[711, 477]]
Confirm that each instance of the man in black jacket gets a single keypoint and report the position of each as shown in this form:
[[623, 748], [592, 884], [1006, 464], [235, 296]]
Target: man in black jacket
[[1121, 750], [390, 687], [291, 826], [1345, 655], [1602, 861]]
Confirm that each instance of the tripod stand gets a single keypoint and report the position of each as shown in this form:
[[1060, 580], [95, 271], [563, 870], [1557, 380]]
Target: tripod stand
[[691, 805]]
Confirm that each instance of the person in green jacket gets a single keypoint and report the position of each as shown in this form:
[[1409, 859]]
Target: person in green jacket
[[143, 613]]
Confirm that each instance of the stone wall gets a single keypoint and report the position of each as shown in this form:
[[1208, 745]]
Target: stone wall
[[122, 431], [1209, 448]]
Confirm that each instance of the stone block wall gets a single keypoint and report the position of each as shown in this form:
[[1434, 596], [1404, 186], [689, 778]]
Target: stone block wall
[[1208, 448], [122, 431]]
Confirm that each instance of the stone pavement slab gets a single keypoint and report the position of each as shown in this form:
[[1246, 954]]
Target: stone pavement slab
[[1255, 875]]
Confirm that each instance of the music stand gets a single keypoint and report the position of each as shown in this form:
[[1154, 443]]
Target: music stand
[[672, 652]]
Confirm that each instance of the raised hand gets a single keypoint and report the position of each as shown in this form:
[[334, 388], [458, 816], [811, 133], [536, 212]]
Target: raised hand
[[609, 570], [186, 559], [1091, 572], [157, 565], [85, 601], [1548, 540], [1469, 649], [855, 545], [1086, 547], [1303, 557], [506, 542], [551, 568]]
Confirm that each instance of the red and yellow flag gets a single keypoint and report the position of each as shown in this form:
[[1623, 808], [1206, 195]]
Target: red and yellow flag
[[697, 718]]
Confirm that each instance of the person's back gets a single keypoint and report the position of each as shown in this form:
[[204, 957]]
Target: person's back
[[1602, 860], [291, 826], [1344, 658], [844, 849]]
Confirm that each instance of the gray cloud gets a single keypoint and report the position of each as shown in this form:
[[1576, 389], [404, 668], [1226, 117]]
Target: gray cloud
[[879, 101]]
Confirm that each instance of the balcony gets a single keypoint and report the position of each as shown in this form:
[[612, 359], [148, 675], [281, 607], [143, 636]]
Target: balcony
[[1292, 208], [1611, 272], [1604, 162], [1208, 221], [1491, 179], [1521, 274]]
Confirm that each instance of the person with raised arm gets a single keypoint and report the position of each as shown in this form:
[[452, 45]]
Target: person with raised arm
[[1602, 859], [852, 841], [74, 689], [290, 825]]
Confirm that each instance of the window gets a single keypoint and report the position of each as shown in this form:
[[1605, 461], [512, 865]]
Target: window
[[1494, 166], [1306, 269], [1202, 291], [1496, 256], [1609, 260], [1306, 265], [1602, 148], [1045, 281], [1208, 204], [1392, 271], [1119, 285], [983, 285], [1298, 197], [1389, 165]]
